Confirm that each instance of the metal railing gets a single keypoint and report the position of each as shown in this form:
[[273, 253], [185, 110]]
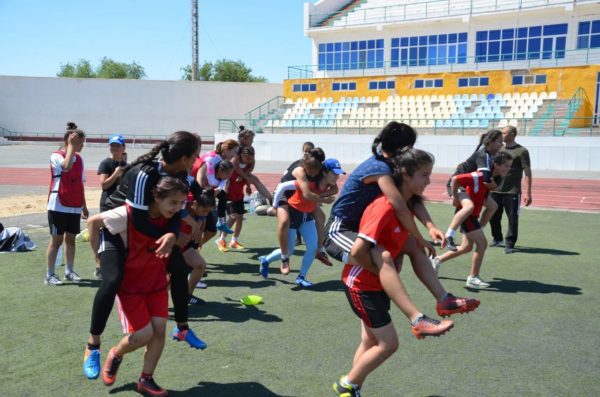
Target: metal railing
[[578, 57], [48, 136], [554, 126], [266, 108], [414, 11]]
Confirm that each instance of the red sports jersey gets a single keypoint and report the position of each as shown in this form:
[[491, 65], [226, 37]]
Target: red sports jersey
[[236, 187], [144, 272], [476, 190], [380, 226], [299, 202], [70, 186]]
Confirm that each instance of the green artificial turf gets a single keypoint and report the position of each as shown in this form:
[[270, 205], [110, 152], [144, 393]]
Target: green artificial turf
[[534, 334]]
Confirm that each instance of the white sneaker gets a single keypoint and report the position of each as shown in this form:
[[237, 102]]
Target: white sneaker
[[435, 263], [476, 282], [200, 284], [53, 280], [72, 276]]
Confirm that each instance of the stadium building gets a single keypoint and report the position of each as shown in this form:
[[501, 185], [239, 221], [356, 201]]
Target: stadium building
[[446, 67]]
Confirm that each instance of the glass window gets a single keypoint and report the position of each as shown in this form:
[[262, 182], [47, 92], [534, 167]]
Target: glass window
[[484, 81], [508, 33], [297, 87], [540, 79], [517, 80], [494, 35], [313, 87], [596, 27], [382, 85], [428, 83], [352, 86], [535, 31], [453, 37], [439, 83], [335, 86], [584, 27], [418, 83], [379, 43], [583, 42], [595, 41], [404, 42], [553, 30], [395, 42], [442, 39], [473, 81], [463, 82], [305, 87], [391, 85], [372, 85], [462, 37]]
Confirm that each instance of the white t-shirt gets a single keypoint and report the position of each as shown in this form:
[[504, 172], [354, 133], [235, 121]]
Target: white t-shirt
[[56, 161]]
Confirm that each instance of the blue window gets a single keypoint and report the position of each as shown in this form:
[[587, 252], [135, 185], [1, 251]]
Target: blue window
[[428, 50], [382, 85], [588, 35], [350, 55], [473, 81], [532, 42], [540, 79], [304, 87], [429, 83], [343, 86], [529, 79]]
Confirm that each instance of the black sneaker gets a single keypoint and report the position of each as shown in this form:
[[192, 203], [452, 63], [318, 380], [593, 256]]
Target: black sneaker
[[450, 245], [194, 300], [149, 387]]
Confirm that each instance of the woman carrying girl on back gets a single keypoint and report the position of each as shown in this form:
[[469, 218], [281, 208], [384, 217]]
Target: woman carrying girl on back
[[364, 289], [177, 155], [369, 180], [142, 296], [66, 203], [490, 144], [300, 211]]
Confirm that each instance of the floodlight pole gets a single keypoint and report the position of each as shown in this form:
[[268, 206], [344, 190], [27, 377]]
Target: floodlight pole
[[194, 40]]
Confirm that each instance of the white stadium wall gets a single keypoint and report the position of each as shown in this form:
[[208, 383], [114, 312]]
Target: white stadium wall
[[547, 153], [133, 107]]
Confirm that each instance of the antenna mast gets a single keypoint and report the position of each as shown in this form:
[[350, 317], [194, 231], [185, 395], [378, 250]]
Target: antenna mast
[[194, 40]]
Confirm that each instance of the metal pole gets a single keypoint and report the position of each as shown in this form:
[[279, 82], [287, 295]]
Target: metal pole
[[194, 40]]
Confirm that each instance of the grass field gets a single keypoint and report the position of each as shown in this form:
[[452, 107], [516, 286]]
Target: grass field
[[534, 334]]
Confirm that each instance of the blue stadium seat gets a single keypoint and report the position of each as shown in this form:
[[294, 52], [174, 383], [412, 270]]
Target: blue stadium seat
[[439, 123], [484, 123]]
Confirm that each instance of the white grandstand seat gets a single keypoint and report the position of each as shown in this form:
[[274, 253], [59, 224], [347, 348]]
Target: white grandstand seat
[[516, 95], [525, 95], [473, 97], [288, 101], [375, 99], [352, 124], [528, 116], [507, 96], [543, 95], [502, 123], [533, 95], [552, 95], [513, 122]]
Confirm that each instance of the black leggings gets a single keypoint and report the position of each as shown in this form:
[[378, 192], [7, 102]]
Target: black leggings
[[112, 261], [221, 204]]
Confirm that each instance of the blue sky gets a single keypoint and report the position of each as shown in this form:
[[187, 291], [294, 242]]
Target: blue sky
[[37, 36]]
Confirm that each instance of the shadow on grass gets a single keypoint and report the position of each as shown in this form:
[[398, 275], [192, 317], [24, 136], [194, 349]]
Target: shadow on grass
[[325, 286], [544, 251], [232, 311], [83, 284], [210, 389], [532, 286]]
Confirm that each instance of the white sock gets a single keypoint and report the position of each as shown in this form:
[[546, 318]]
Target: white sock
[[234, 239], [416, 320], [346, 382], [450, 232], [345, 257], [68, 269]]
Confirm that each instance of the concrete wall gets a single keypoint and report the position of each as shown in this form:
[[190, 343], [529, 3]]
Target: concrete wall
[[547, 153], [132, 107]]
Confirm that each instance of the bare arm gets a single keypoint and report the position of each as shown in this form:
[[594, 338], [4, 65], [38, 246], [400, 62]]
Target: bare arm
[[107, 181], [304, 186], [94, 224]]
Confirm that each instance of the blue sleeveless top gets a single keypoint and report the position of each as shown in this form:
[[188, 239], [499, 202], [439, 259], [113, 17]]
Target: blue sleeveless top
[[355, 195]]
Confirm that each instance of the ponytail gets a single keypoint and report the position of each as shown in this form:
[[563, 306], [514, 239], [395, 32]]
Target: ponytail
[[226, 145], [488, 137], [177, 145]]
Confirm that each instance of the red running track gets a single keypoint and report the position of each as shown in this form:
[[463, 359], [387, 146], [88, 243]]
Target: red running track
[[567, 194]]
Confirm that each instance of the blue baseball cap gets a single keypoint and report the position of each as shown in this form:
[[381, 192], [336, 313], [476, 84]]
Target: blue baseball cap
[[333, 165], [117, 138]]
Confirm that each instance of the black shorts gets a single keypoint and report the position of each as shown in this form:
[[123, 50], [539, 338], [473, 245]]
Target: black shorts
[[211, 221], [297, 218], [470, 224], [61, 223], [284, 198], [338, 238], [111, 242], [236, 207], [372, 307]]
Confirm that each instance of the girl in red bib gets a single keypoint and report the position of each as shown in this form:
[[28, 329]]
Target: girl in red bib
[[142, 295], [66, 202]]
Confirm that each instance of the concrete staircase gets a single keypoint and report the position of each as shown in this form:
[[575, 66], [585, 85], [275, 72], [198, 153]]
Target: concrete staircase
[[552, 116]]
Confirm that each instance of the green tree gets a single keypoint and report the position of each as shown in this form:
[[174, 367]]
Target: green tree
[[223, 70], [108, 69]]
